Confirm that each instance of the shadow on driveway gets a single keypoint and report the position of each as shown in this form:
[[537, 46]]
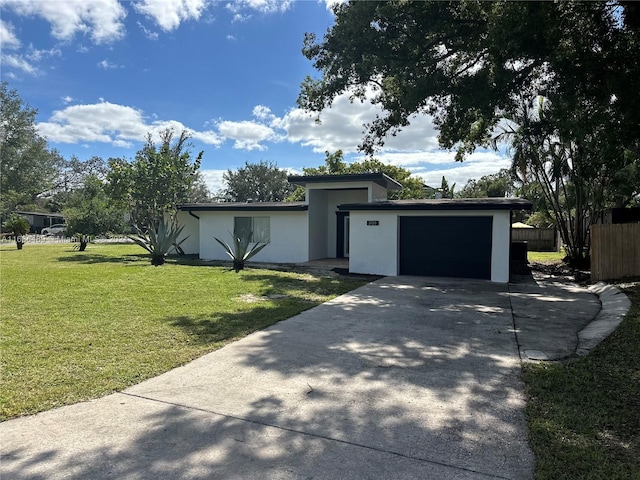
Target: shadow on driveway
[[406, 377]]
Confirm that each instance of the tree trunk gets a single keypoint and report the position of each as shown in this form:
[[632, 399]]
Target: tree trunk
[[19, 243], [83, 246]]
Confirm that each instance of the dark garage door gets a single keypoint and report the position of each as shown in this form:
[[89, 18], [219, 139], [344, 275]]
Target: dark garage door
[[446, 246]]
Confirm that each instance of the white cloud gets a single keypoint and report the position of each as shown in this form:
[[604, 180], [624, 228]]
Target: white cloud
[[261, 6], [38, 55], [19, 63], [107, 65], [169, 14], [8, 40], [248, 135], [151, 35], [213, 179], [67, 99], [477, 165], [342, 127], [110, 123], [102, 20]]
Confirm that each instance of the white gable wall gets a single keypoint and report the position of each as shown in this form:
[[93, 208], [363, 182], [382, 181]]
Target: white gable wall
[[192, 229], [374, 249], [288, 235], [377, 193]]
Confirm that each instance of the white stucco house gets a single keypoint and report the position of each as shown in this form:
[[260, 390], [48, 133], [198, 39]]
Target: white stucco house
[[349, 216]]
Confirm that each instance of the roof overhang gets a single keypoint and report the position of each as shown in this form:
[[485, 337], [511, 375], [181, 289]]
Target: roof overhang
[[443, 204], [379, 178], [245, 206]]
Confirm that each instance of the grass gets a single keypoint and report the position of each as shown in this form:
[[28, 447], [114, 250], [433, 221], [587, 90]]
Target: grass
[[546, 257], [79, 325], [584, 416]]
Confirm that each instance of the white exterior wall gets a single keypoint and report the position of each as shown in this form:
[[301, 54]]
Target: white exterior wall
[[288, 233], [501, 246], [374, 249], [192, 229], [378, 193]]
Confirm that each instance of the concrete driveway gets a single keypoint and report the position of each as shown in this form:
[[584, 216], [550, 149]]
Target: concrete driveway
[[404, 378]]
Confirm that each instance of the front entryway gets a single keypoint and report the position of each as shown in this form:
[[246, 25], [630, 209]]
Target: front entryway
[[342, 237]]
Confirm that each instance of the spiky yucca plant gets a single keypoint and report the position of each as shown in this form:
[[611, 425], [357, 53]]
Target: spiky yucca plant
[[240, 252], [159, 239]]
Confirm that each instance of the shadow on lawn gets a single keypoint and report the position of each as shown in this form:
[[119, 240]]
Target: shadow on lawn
[[421, 385], [93, 258], [212, 329]]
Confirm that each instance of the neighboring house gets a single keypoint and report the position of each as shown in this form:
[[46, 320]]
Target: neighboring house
[[39, 220], [350, 216]]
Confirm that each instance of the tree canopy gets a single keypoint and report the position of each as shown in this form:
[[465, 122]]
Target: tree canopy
[[157, 180], [89, 212], [467, 63], [499, 184], [258, 182], [27, 166], [557, 82]]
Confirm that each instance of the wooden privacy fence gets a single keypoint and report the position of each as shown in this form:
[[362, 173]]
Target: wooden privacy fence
[[615, 251], [538, 239]]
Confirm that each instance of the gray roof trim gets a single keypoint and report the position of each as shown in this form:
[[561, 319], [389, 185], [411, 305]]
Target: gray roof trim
[[246, 206], [444, 204], [379, 178], [42, 214]]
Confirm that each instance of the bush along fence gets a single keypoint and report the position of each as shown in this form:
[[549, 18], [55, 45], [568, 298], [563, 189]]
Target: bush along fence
[[615, 251]]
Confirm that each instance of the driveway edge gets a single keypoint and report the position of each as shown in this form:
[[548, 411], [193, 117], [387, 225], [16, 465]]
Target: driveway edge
[[615, 306]]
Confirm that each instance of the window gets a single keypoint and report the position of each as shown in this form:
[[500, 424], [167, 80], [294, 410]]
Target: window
[[258, 226]]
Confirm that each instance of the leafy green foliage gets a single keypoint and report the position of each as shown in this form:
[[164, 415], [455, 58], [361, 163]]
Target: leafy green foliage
[[446, 190], [88, 212], [157, 180], [478, 66], [258, 182], [242, 250], [19, 226], [27, 165], [497, 185], [159, 239], [412, 187]]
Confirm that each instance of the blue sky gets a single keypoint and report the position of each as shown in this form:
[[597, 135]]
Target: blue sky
[[103, 73]]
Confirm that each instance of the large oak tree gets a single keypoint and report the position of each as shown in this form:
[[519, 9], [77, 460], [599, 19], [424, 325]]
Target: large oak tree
[[28, 167], [479, 69]]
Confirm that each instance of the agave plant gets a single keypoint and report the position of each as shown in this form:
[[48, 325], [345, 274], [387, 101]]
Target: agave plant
[[159, 239], [240, 251]]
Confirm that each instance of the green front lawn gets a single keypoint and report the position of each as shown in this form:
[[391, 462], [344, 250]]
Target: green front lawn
[[545, 257], [79, 325], [584, 416]]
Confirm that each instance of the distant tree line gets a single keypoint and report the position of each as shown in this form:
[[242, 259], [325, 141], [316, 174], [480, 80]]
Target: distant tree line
[[96, 196]]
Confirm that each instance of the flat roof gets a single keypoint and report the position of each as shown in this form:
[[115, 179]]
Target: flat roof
[[379, 178], [245, 206], [43, 214], [444, 204]]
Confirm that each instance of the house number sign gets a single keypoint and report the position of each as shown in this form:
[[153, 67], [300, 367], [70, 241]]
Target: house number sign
[[373, 222]]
